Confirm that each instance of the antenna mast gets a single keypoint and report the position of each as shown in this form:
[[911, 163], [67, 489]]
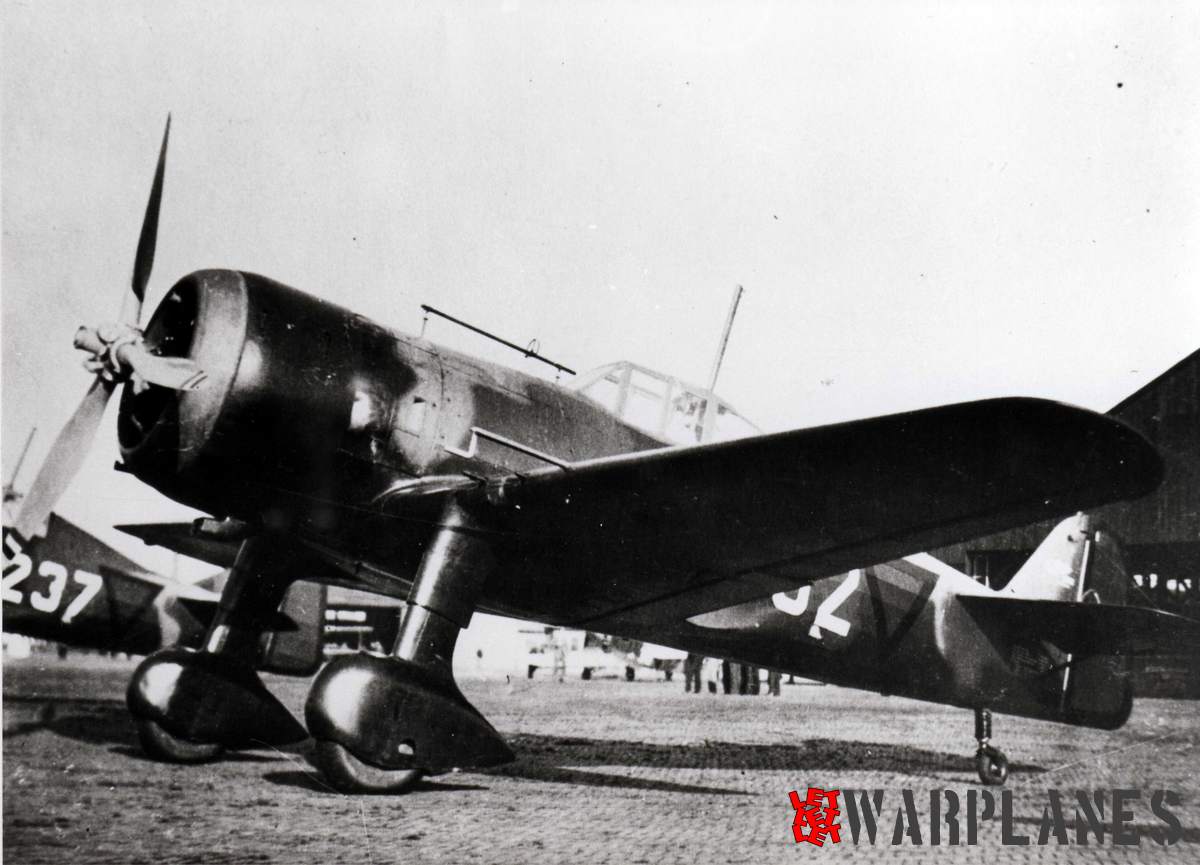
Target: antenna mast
[[21, 459], [716, 367]]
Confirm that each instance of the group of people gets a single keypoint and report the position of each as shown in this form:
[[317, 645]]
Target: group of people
[[726, 675]]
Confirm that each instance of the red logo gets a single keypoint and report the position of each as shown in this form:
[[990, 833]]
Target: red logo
[[816, 816]]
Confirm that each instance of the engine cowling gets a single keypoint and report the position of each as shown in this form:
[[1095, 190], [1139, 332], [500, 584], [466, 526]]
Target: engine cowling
[[279, 429]]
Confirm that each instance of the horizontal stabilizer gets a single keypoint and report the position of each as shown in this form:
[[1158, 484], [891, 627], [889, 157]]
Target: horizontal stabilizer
[[177, 588], [1091, 629]]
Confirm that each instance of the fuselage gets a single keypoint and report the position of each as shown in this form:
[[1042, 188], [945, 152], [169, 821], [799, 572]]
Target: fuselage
[[899, 629]]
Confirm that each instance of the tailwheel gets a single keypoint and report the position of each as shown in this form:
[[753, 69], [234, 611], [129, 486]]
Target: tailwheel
[[161, 745], [348, 774], [992, 765], [990, 762]]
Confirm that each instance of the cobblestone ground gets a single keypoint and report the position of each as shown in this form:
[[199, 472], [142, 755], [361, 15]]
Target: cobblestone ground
[[606, 772]]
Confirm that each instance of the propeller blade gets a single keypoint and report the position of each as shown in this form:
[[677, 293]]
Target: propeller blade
[[71, 447], [143, 262], [62, 463], [177, 373]]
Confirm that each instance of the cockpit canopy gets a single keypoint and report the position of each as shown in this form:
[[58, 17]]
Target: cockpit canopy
[[663, 406]]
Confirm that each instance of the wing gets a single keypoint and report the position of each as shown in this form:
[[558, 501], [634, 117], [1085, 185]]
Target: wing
[[659, 536], [180, 538]]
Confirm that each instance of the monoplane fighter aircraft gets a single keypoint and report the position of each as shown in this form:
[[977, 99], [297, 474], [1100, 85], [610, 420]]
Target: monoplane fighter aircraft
[[334, 447]]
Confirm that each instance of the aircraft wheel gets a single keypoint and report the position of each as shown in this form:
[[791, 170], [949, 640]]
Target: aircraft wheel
[[161, 745], [992, 766], [630, 674], [587, 673], [348, 774]]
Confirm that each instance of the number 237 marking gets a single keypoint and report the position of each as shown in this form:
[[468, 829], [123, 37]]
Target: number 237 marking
[[22, 566]]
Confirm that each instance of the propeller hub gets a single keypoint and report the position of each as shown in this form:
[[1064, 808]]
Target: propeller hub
[[111, 346]]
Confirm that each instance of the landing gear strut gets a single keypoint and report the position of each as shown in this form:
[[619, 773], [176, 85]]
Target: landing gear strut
[[380, 724], [990, 762], [192, 705]]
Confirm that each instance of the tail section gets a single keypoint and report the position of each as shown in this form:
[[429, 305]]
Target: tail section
[[1081, 564], [1077, 562], [1065, 615], [70, 587]]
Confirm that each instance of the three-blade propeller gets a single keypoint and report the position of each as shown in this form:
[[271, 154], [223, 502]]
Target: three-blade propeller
[[118, 353]]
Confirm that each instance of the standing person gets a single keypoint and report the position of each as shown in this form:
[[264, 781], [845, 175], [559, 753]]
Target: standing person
[[727, 677], [773, 680], [560, 660], [692, 665], [710, 672], [557, 652]]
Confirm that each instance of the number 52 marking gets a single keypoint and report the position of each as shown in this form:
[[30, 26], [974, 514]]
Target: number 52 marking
[[826, 618]]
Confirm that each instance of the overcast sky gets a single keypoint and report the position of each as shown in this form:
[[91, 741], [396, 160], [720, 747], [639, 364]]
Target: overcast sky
[[925, 202]]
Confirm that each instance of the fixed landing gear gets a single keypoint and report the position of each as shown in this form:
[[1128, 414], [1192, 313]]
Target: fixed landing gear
[[349, 774], [990, 763], [380, 724], [164, 747], [190, 706]]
